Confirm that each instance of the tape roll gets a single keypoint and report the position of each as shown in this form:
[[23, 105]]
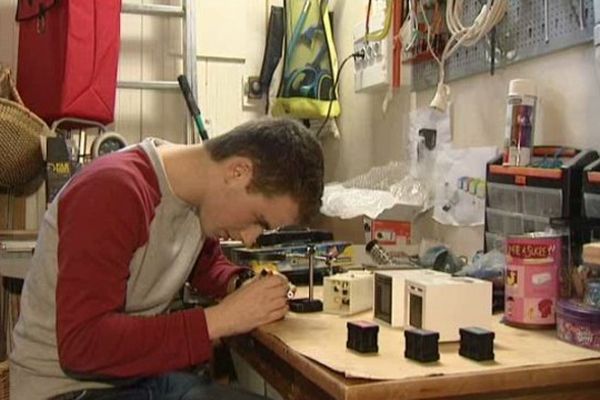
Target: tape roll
[[107, 143]]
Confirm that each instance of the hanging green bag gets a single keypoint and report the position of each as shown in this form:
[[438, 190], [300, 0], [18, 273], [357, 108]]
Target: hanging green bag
[[307, 88]]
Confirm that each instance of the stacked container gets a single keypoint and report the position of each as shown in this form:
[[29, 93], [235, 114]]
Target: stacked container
[[578, 317], [526, 199], [578, 314]]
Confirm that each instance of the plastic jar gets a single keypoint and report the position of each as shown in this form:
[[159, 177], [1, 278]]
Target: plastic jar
[[578, 323]]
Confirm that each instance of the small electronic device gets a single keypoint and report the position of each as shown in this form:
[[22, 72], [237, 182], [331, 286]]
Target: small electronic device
[[290, 261], [293, 235], [348, 293], [445, 304], [389, 287], [362, 336], [476, 344], [421, 345]]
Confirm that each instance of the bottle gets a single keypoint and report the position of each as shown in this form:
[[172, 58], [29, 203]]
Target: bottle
[[520, 122]]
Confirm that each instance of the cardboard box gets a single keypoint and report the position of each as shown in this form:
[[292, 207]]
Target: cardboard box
[[398, 229], [395, 229]]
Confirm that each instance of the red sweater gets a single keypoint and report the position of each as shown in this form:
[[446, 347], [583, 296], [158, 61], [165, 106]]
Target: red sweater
[[114, 249]]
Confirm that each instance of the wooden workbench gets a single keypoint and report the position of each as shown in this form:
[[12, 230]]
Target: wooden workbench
[[296, 377], [531, 374]]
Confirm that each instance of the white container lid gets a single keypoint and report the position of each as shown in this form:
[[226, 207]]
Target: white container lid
[[522, 87]]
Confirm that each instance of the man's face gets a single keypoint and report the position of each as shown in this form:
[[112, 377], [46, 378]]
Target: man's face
[[231, 211]]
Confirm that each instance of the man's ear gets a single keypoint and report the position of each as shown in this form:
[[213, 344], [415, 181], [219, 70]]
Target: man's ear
[[239, 170]]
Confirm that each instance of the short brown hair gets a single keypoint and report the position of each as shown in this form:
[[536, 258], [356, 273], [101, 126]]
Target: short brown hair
[[287, 160]]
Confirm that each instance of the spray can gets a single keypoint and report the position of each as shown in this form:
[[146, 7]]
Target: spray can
[[378, 253], [520, 122]]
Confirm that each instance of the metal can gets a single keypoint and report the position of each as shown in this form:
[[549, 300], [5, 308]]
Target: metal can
[[533, 262]]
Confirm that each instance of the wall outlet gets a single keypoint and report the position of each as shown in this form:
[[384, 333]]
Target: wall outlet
[[252, 92], [374, 71]]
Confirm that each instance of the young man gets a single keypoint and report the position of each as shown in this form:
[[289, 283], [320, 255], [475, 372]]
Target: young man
[[124, 236]]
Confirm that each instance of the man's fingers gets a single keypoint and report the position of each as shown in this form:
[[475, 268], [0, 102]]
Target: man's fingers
[[278, 313], [272, 281]]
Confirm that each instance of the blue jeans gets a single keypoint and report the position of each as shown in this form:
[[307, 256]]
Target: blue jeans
[[171, 386]]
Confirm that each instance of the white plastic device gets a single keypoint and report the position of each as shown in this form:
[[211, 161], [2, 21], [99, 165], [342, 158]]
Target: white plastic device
[[348, 293], [389, 294], [446, 304]]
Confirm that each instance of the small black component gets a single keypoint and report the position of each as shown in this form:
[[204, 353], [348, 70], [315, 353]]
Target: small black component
[[370, 245], [421, 345], [285, 236], [243, 255], [476, 343], [243, 276], [362, 336], [305, 305], [429, 135]]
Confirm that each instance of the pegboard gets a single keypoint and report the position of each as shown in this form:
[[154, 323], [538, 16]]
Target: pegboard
[[521, 35]]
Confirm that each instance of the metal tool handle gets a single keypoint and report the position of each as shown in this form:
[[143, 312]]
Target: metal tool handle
[[192, 106], [310, 253]]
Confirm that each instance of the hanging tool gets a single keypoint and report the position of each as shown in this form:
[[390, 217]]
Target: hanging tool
[[273, 49], [493, 51], [192, 106], [311, 80], [308, 36], [296, 33], [546, 22]]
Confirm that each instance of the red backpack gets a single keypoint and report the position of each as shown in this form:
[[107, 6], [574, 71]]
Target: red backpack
[[68, 57]]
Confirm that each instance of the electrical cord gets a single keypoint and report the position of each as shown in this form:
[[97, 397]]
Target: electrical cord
[[410, 26], [367, 22], [460, 35], [387, 23], [355, 55]]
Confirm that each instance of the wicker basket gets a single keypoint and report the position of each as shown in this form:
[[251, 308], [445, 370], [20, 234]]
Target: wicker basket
[[8, 90], [4, 382], [20, 132]]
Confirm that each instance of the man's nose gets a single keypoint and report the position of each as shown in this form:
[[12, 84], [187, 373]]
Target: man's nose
[[249, 235]]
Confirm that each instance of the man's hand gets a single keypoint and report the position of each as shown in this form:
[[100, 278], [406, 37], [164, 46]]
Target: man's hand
[[261, 301]]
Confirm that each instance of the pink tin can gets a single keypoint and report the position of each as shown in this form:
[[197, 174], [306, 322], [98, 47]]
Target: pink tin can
[[533, 262]]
